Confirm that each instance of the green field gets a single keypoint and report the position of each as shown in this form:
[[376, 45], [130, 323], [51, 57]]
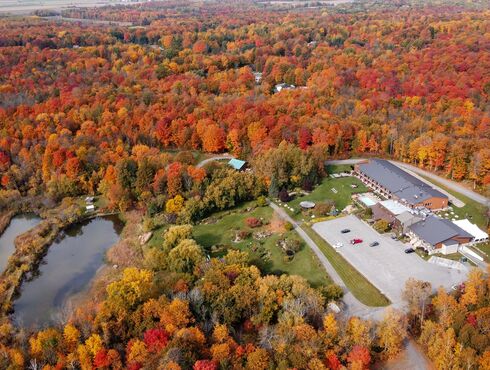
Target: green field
[[222, 233], [362, 289], [324, 191], [337, 168], [472, 210]]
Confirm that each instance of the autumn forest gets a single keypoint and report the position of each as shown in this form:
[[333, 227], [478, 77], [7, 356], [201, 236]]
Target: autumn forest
[[127, 113]]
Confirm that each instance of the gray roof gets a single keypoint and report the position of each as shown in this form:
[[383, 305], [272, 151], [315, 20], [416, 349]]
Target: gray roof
[[435, 230], [399, 182], [406, 216]]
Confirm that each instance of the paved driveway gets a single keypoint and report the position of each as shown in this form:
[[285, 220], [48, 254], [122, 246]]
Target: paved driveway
[[386, 266]]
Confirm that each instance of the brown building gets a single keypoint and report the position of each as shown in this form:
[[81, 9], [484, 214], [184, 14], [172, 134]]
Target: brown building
[[438, 235], [390, 181]]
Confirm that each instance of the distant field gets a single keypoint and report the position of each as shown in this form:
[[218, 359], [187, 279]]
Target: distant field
[[28, 6]]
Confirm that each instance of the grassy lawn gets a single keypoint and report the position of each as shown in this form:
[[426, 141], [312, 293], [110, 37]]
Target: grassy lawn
[[472, 210], [362, 289], [485, 248], [324, 191], [264, 254], [337, 168]]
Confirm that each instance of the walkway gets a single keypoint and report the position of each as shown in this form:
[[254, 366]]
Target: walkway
[[354, 306]]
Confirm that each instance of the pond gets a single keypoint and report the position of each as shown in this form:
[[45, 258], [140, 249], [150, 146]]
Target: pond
[[71, 262], [18, 225]]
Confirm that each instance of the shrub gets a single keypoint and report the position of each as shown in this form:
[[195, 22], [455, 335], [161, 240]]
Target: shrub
[[323, 209], [288, 226], [381, 226], [307, 185], [243, 234], [261, 201], [284, 196], [253, 222], [332, 292], [289, 246]]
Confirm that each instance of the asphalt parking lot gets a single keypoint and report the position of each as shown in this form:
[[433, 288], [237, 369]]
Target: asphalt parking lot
[[386, 266]]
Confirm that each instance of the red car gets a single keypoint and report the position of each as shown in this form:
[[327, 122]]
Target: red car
[[356, 241]]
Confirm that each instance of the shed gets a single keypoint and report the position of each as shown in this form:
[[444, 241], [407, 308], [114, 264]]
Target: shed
[[90, 208], [237, 164]]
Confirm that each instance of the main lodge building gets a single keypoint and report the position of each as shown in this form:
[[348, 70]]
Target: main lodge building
[[390, 181]]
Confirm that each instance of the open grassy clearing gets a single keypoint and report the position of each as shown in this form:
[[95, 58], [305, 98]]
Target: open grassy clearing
[[264, 253], [362, 289], [337, 168], [324, 191], [473, 211]]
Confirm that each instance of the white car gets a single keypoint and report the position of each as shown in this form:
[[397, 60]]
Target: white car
[[338, 245]]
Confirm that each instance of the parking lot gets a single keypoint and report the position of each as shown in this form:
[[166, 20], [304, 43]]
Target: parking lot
[[386, 266]]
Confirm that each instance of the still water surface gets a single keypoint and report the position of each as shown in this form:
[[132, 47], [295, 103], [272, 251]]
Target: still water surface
[[71, 262]]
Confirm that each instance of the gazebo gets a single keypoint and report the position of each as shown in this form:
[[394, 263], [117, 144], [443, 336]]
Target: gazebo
[[307, 205]]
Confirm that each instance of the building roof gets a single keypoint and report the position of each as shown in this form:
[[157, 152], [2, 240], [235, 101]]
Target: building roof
[[399, 182], [394, 207], [434, 230], [406, 216], [472, 229], [237, 164]]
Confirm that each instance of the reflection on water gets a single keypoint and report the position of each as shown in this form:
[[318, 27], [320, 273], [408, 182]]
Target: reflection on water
[[18, 225], [68, 267]]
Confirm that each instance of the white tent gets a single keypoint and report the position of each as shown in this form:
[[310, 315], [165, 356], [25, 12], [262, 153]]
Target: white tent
[[478, 234]]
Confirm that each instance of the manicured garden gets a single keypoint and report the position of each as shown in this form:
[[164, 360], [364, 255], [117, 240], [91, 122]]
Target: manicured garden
[[223, 227]]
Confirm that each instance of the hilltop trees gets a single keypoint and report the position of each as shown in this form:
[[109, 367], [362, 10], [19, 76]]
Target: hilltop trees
[[187, 83]]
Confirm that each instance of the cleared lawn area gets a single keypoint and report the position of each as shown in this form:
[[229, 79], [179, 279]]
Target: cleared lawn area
[[362, 289], [485, 248], [336, 168], [264, 254], [472, 210], [324, 191]]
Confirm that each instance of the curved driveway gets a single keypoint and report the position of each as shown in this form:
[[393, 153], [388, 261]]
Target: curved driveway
[[216, 158]]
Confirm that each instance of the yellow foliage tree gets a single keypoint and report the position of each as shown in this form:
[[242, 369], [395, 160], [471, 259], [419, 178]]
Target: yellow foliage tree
[[175, 204]]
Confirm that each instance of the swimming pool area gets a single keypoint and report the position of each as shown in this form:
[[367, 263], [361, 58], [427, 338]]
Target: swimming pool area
[[367, 201]]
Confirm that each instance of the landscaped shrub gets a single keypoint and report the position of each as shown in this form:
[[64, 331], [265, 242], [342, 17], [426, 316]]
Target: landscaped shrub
[[242, 234], [307, 185], [284, 196], [288, 226], [381, 226], [332, 292], [289, 246], [261, 201], [323, 209], [253, 222]]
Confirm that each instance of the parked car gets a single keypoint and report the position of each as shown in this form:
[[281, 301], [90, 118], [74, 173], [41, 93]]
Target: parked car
[[338, 245], [394, 237], [345, 231], [356, 241], [409, 250], [374, 244]]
